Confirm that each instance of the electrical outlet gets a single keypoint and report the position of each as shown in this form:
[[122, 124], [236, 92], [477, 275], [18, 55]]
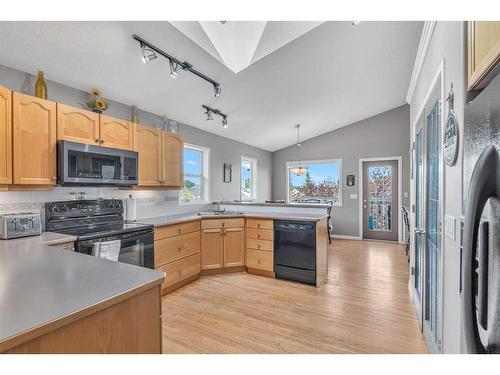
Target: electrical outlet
[[449, 226], [354, 196]]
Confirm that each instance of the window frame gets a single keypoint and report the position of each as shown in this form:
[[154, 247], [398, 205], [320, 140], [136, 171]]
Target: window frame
[[204, 176], [291, 163], [253, 176]]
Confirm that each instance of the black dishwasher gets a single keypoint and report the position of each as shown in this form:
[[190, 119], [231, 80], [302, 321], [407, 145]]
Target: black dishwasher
[[295, 250]]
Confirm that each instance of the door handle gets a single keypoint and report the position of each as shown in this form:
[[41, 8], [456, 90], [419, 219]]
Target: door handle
[[419, 231], [365, 206]]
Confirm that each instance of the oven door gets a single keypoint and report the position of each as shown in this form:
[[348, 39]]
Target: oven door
[[136, 248], [84, 164]]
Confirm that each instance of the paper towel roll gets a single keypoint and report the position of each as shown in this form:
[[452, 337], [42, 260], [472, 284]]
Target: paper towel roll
[[131, 208]]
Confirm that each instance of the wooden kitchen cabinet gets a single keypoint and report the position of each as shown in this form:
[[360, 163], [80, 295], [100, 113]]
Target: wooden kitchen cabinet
[[117, 133], [5, 136], [149, 147], [77, 125], [234, 247], [172, 157], [483, 52], [222, 243], [212, 249], [34, 140]]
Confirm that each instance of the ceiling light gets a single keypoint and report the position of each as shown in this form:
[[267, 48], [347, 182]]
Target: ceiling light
[[209, 111], [151, 52], [147, 54], [174, 69], [209, 115], [217, 90], [298, 170]]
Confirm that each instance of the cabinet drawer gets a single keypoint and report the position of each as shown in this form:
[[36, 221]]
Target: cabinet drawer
[[173, 248], [222, 223], [260, 223], [176, 229], [260, 234], [260, 244], [180, 270], [261, 260]]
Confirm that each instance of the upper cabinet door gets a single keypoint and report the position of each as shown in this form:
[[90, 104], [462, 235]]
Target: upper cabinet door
[[77, 125], [149, 149], [117, 133], [34, 140], [483, 52], [173, 149], [5, 136]]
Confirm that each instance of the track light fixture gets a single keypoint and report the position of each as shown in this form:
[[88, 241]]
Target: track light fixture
[[151, 52], [174, 68], [147, 54], [209, 111]]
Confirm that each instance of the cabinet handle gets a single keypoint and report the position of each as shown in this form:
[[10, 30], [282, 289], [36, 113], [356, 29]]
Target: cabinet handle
[[54, 178], [179, 230], [223, 223], [258, 236], [258, 225], [180, 248], [97, 140], [258, 246], [258, 261], [101, 141]]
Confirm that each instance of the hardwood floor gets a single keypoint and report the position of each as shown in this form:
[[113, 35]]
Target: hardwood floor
[[364, 307]]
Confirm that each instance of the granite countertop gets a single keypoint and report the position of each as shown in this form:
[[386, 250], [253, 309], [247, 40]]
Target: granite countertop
[[176, 219], [40, 285]]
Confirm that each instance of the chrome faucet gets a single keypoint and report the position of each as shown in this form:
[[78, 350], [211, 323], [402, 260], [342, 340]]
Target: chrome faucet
[[218, 204]]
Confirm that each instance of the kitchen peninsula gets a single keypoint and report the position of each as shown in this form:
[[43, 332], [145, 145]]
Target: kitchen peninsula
[[60, 301], [191, 245]]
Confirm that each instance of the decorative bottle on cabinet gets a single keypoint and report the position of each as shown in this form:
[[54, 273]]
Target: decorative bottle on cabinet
[[40, 86]]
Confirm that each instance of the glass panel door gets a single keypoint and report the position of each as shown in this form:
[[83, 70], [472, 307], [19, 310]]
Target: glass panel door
[[432, 225], [419, 218]]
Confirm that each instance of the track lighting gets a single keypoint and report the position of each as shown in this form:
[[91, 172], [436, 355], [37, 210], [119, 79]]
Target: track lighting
[[209, 111], [151, 52], [174, 68], [147, 54], [217, 91]]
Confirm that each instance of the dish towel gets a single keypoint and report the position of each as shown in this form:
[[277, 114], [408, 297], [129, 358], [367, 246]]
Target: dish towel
[[107, 250]]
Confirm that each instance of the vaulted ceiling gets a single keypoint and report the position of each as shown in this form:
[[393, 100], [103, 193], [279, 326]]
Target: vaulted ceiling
[[324, 75]]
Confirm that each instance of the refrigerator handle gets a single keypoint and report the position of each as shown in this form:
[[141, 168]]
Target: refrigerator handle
[[483, 185]]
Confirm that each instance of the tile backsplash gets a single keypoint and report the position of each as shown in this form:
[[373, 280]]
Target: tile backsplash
[[150, 203]]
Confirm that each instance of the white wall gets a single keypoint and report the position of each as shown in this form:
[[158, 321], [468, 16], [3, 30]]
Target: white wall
[[447, 45]]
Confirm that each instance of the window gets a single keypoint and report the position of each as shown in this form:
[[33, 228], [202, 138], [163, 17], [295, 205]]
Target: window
[[320, 184], [196, 186], [248, 178]]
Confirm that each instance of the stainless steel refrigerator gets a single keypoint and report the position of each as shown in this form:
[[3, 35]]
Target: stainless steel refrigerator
[[480, 279]]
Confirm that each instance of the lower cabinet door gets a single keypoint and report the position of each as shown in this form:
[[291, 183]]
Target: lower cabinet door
[[234, 247], [261, 260], [212, 255], [180, 270]]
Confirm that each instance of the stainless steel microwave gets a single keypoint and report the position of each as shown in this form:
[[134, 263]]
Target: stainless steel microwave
[[82, 164]]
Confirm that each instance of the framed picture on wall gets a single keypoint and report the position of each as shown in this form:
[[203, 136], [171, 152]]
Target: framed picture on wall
[[227, 172]]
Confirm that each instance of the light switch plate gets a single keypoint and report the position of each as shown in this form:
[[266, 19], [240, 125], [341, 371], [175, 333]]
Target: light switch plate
[[354, 196], [449, 226]]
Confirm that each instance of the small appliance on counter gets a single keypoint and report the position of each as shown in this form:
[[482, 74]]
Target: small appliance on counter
[[20, 225]]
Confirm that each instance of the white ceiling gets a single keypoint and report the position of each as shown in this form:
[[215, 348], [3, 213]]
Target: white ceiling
[[329, 77], [239, 44]]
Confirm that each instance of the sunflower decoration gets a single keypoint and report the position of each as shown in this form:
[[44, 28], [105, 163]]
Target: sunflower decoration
[[96, 103]]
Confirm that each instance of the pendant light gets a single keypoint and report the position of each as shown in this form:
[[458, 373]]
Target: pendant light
[[298, 170]]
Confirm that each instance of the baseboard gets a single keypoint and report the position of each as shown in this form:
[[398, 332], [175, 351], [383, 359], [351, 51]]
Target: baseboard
[[342, 237], [258, 272], [180, 284], [218, 271]]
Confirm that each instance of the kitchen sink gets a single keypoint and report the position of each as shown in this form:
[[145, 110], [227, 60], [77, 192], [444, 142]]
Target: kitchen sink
[[219, 213]]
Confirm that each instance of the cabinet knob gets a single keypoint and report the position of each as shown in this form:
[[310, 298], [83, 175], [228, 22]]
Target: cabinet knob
[[179, 230], [258, 246], [258, 236], [258, 225]]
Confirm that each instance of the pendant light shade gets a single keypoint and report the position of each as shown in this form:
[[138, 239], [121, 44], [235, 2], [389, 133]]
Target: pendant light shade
[[299, 170]]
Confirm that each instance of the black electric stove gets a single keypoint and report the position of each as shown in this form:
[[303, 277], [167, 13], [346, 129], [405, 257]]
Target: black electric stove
[[94, 221]]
